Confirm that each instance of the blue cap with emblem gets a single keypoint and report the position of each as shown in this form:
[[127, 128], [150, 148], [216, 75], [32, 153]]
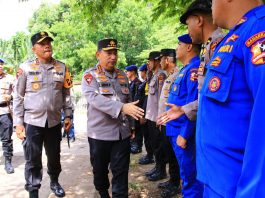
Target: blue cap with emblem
[[2, 61], [131, 68], [185, 38], [143, 67]]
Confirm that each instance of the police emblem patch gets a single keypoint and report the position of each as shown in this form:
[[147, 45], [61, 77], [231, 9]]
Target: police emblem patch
[[88, 77], [258, 53], [194, 74], [255, 38], [214, 84]]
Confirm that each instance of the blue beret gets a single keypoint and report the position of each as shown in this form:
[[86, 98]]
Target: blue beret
[[131, 68], [1, 61], [185, 39], [143, 67]]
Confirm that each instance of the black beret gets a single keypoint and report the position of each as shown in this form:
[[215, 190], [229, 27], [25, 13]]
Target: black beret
[[202, 6]]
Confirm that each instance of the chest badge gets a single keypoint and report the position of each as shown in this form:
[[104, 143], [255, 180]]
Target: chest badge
[[175, 88], [35, 86], [214, 84]]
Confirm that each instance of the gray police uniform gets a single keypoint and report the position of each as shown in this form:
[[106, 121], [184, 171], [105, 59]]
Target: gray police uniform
[[191, 109], [156, 137], [6, 123], [173, 167], [106, 93], [154, 91], [165, 91], [108, 128], [41, 92]]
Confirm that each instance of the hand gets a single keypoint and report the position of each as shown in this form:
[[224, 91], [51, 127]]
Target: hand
[[181, 142], [20, 131], [6, 97], [132, 135], [67, 124], [173, 113], [142, 121], [133, 110]]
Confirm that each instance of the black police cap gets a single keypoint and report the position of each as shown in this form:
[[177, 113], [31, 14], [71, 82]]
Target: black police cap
[[155, 55], [168, 52], [107, 44], [39, 37], [201, 6]]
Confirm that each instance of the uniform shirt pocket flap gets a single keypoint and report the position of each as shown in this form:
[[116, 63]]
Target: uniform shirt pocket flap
[[224, 60], [218, 85]]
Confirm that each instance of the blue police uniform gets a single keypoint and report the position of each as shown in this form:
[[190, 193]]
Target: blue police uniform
[[230, 127], [183, 91]]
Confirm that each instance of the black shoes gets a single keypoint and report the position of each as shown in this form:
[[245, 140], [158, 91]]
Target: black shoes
[[151, 172], [163, 185], [158, 174], [57, 189], [34, 194], [8, 166], [104, 194], [170, 191], [146, 160], [136, 149]]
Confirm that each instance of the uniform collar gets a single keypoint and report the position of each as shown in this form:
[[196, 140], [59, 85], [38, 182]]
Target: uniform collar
[[194, 59]]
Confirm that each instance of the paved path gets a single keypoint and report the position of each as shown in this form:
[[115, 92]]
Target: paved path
[[76, 177]]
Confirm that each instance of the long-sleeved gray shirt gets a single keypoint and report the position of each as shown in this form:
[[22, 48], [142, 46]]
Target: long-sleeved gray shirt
[[41, 94], [106, 93]]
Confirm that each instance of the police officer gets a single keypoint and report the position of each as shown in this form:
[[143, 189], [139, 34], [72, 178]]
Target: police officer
[[137, 141], [41, 92], [198, 18], [154, 91], [170, 187], [106, 90], [182, 131], [230, 139], [142, 95], [6, 121]]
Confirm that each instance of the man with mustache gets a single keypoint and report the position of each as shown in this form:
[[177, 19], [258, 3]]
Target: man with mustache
[[109, 128], [41, 92]]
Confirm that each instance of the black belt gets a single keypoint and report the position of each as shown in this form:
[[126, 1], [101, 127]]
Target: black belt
[[3, 105]]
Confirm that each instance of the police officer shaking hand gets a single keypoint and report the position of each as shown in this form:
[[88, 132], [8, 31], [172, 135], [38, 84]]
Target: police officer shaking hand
[[106, 90]]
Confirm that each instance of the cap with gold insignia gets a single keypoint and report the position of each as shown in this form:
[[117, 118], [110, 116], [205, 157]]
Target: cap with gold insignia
[[154, 55], [40, 36], [107, 44], [168, 52]]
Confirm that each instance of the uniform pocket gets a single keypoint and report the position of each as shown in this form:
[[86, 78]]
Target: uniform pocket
[[152, 88], [35, 82], [219, 77]]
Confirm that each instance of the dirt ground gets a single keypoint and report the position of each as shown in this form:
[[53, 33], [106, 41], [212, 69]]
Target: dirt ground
[[76, 176]]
